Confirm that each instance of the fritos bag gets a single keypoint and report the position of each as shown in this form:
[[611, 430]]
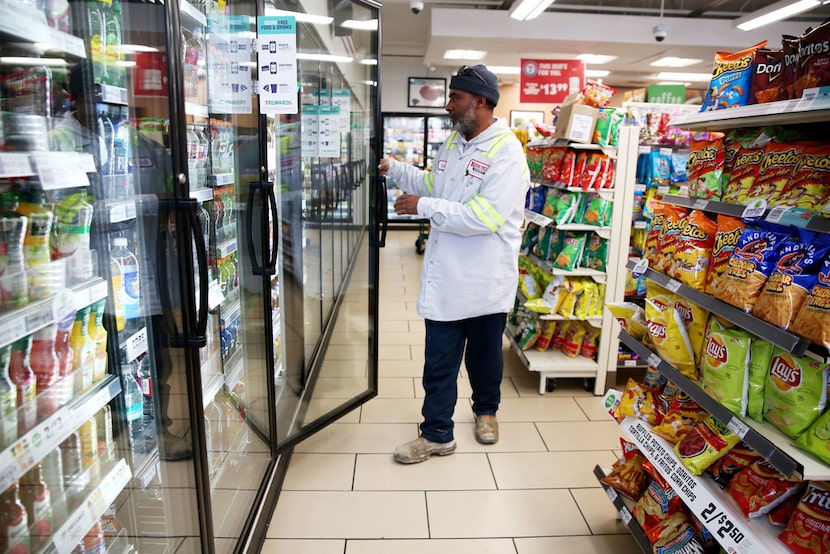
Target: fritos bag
[[728, 233], [760, 488], [731, 79], [707, 442], [806, 533], [725, 367], [670, 338], [813, 319], [673, 222], [795, 273], [813, 69], [766, 76], [750, 265], [706, 158], [693, 254], [795, 393]]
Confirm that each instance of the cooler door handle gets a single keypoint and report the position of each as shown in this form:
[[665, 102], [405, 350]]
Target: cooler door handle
[[275, 233], [253, 187]]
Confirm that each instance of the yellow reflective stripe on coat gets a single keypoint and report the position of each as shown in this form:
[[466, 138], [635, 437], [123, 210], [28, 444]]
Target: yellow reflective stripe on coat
[[486, 212], [497, 144], [429, 181], [450, 144], [64, 139]]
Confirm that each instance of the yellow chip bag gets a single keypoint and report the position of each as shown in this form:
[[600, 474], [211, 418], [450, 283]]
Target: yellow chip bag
[[631, 318], [586, 299], [637, 401], [704, 445], [695, 319], [693, 254], [669, 336], [568, 307]]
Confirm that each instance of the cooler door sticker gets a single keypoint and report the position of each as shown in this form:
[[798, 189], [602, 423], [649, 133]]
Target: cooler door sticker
[[229, 71], [277, 63]]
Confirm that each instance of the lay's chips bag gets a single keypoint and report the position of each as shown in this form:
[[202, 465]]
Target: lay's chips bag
[[670, 338], [725, 367], [795, 393]]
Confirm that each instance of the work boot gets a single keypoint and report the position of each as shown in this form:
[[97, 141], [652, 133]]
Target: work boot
[[487, 429], [173, 448], [420, 449]]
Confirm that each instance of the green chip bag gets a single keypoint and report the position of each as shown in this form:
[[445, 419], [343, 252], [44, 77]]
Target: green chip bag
[[760, 357], [816, 439], [597, 211], [725, 367], [571, 252], [596, 253], [795, 392]]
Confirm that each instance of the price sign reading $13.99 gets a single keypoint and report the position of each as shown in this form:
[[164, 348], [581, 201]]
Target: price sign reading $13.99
[[550, 81]]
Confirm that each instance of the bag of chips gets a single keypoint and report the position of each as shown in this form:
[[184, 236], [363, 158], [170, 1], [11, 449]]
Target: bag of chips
[[760, 488], [735, 461], [725, 367], [552, 166], [597, 210], [680, 418], [794, 275], [816, 439], [778, 165], [810, 181], [530, 333], [628, 477], [596, 253], [695, 320], [705, 166], [746, 166], [670, 338], [571, 252], [693, 254], [813, 67], [795, 393], [652, 247], [637, 401], [732, 143], [545, 335], [731, 79], [573, 339], [560, 205], [674, 534], [813, 319], [559, 333], [630, 316], [806, 532], [657, 503], [574, 288], [727, 235], [766, 76], [759, 361], [589, 342], [673, 222], [585, 303], [592, 172], [708, 441], [781, 514], [789, 66], [750, 265]]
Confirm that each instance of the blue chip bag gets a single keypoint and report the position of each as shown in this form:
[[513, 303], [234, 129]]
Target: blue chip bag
[[731, 79]]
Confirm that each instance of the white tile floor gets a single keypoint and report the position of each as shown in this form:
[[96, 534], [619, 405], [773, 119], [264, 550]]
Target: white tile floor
[[533, 492]]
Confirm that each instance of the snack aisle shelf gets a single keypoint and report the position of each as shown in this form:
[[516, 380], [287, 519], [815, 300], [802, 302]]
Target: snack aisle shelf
[[624, 512], [812, 108], [714, 508], [550, 364], [764, 438]]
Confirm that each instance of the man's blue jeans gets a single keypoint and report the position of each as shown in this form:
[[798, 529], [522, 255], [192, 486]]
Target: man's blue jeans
[[478, 341]]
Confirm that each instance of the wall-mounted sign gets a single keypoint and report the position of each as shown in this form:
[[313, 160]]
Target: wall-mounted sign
[[667, 94], [550, 81]]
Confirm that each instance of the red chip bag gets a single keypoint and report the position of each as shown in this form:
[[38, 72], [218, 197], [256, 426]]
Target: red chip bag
[[813, 69], [781, 514], [658, 502], [628, 477], [735, 461], [706, 159], [746, 166], [807, 530], [760, 488], [767, 76], [681, 417]]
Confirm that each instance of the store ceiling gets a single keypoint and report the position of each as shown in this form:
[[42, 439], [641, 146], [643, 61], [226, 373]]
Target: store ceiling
[[696, 29]]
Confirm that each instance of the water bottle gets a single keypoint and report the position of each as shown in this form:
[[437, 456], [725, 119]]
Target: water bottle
[[106, 142], [130, 278], [194, 59], [145, 382], [133, 407]]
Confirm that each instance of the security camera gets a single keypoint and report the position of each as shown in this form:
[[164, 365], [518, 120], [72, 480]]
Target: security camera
[[660, 32], [417, 6]]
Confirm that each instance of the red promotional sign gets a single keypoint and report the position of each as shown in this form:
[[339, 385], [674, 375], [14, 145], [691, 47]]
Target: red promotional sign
[[150, 75], [550, 81]]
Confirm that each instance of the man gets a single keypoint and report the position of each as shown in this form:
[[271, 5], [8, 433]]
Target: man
[[474, 200]]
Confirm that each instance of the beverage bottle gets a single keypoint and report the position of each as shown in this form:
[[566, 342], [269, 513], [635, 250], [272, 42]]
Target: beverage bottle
[[8, 401], [145, 382], [103, 424], [34, 493], [133, 406], [98, 335], [112, 24], [98, 40], [89, 448], [73, 218], [93, 542], [106, 140], [12, 233], [53, 475], [117, 297], [219, 217], [46, 366], [191, 153], [214, 126], [66, 359], [84, 351], [194, 62], [74, 479], [14, 531], [58, 15], [35, 208], [24, 379], [202, 158], [131, 278]]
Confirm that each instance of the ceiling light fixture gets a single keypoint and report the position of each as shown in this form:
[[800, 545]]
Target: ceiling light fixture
[[595, 73], [774, 12], [14, 60], [464, 54], [369, 61], [301, 17], [529, 9], [671, 61], [324, 58], [684, 77], [596, 59], [364, 25], [505, 69]]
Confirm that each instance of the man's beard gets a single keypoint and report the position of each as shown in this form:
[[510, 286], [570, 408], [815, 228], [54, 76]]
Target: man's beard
[[467, 124]]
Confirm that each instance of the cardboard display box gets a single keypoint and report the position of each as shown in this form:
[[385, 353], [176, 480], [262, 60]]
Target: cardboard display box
[[576, 123]]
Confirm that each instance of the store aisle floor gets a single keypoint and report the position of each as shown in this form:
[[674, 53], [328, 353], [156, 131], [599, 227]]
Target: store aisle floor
[[533, 492]]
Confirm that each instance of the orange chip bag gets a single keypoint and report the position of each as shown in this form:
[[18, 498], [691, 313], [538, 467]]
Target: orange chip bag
[[628, 477], [652, 249], [709, 441], [693, 254], [778, 164], [683, 414], [637, 402], [673, 222], [806, 533], [727, 234], [760, 488], [746, 166], [706, 157], [810, 181], [813, 319]]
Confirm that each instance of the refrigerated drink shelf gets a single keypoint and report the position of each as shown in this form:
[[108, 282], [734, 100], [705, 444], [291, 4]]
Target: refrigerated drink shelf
[[192, 15], [80, 521], [15, 164], [26, 451], [19, 28]]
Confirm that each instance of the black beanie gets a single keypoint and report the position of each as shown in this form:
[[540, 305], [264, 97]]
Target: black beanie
[[477, 80]]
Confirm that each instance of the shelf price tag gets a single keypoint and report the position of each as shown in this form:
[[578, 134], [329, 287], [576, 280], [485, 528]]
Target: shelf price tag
[[755, 210], [673, 285], [625, 515], [654, 360], [59, 170], [136, 345], [639, 268], [776, 213], [700, 204], [737, 426], [612, 494]]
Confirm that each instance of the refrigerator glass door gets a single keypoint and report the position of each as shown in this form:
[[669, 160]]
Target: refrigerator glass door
[[325, 175]]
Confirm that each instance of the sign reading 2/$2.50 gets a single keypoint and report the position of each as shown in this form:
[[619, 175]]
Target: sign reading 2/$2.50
[[550, 81]]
